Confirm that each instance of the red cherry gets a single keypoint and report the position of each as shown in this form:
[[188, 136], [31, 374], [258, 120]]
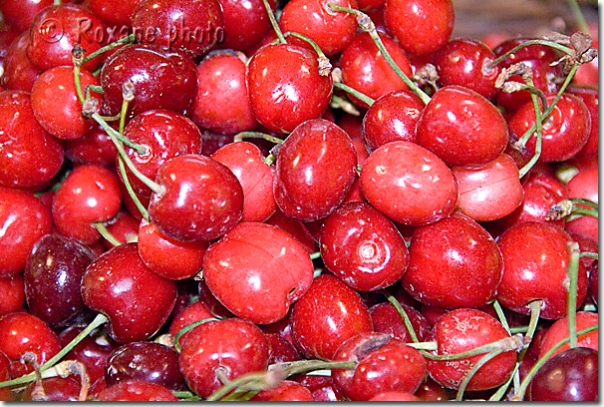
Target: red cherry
[[535, 262], [584, 185], [55, 389], [462, 127], [386, 319], [296, 229], [123, 227], [441, 255], [246, 23], [429, 390], [280, 349], [232, 346], [285, 86], [384, 364], [255, 176], [286, 391], [23, 220], [114, 12], [331, 31], [22, 332], [5, 392], [12, 292], [257, 271], [490, 191], [420, 27], [465, 329], [395, 396], [559, 330], [19, 72], [328, 314], [221, 103], [89, 194], [589, 96], [321, 387], [363, 248], [136, 391], [197, 311], [365, 69], [94, 147], [316, 167], [201, 199], [20, 14], [136, 300], [593, 281], [30, 157], [408, 183]]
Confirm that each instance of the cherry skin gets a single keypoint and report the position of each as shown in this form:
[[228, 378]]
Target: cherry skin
[[245, 160], [462, 127], [136, 300], [21, 14], [144, 361], [466, 62], [295, 228], [363, 247], [194, 27], [285, 86], [115, 12], [246, 23], [559, 330], [12, 292], [164, 134], [408, 184], [232, 346], [585, 185], [328, 314], [89, 194], [161, 79], [461, 330], [221, 103], [55, 389], [392, 117], [23, 220], [420, 27], [395, 396], [441, 255], [287, 390], [490, 191], [593, 281], [315, 169], [30, 157], [53, 275], [535, 262], [569, 376], [589, 96], [365, 69], [22, 332], [565, 131], [331, 31], [280, 349], [386, 319], [5, 392], [51, 44], [136, 391], [94, 147], [257, 271], [384, 364], [19, 72], [200, 200], [196, 311]]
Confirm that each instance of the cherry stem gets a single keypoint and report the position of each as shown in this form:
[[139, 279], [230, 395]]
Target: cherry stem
[[315, 255], [186, 396], [501, 315], [108, 47], [38, 393], [569, 207], [514, 342], [99, 320], [573, 276], [525, 44], [579, 17], [269, 159], [324, 63], [466, 380], [539, 126], [127, 97], [364, 98], [399, 308], [126, 181], [186, 329], [519, 396], [106, 234], [256, 134], [346, 105], [273, 20], [591, 255], [367, 25]]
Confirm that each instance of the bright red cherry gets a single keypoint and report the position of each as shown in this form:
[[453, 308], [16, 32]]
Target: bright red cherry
[[287, 390], [285, 86], [12, 292], [94, 147], [136, 300], [559, 330], [246, 23], [409, 184], [363, 247], [20, 14], [386, 319], [454, 263], [19, 72], [420, 27], [589, 96], [257, 271], [316, 167], [585, 185], [136, 391], [116, 12]]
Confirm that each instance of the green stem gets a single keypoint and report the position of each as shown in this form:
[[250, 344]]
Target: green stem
[[587, 202], [466, 380], [315, 255], [256, 134], [573, 276], [525, 44], [579, 17], [539, 126], [77, 83], [501, 315], [364, 98], [508, 343], [274, 23], [187, 328], [126, 180], [399, 308], [102, 229], [125, 40], [591, 255]]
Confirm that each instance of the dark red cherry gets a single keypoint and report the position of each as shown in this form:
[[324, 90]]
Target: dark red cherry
[[192, 26], [461, 330], [559, 331], [386, 319], [94, 147], [5, 392], [593, 281], [246, 23], [280, 349], [420, 27], [24, 219], [53, 275], [222, 104], [408, 183], [535, 263], [201, 199], [20, 14], [30, 157], [161, 79], [136, 300], [231, 346], [329, 313], [316, 167], [136, 391], [384, 364], [462, 127], [19, 72], [569, 376], [55, 389], [286, 391], [257, 271], [454, 263], [363, 247], [114, 12], [285, 86]]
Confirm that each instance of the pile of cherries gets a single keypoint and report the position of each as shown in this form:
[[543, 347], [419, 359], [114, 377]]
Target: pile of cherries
[[300, 200]]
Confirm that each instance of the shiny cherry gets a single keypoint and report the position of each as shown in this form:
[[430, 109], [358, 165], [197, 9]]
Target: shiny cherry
[[287, 390], [12, 292], [386, 319], [585, 185], [589, 96], [136, 391], [559, 330], [19, 72], [94, 147], [245, 23]]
